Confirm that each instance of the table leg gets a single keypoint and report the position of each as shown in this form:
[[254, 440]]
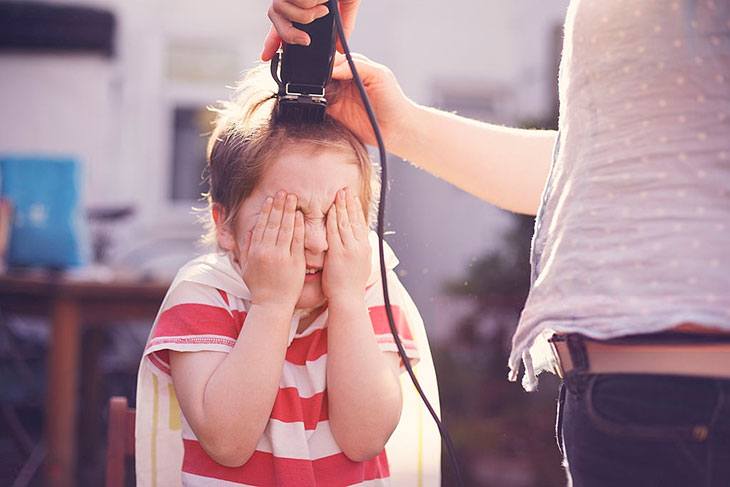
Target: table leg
[[60, 421], [91, 404]]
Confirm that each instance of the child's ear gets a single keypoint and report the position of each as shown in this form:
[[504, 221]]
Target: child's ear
[[223, 232]]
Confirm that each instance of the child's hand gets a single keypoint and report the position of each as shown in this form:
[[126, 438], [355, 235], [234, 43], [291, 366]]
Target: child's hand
[[347, 263], [275, 266]]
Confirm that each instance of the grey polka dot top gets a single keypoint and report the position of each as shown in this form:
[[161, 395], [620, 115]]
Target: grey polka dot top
[[633, 235]]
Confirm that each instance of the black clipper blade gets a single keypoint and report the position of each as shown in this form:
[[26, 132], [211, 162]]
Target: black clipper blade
[[304, 73]]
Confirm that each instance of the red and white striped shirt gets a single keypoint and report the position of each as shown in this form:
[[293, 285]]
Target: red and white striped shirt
[[297, 447]]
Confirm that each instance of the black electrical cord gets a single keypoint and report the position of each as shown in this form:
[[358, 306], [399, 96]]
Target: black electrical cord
[[380, 230]]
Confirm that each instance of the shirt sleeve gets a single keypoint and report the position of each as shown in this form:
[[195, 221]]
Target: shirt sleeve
[[194, 318], [402, 317]]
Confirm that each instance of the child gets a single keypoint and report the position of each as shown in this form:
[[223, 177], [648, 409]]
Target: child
[[271, 361]]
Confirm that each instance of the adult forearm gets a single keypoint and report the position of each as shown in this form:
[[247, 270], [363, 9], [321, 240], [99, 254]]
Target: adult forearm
[[363, 388], [241, 392], [505, 166]]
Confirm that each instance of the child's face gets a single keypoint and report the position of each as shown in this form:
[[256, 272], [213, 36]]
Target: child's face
[[314, 175]]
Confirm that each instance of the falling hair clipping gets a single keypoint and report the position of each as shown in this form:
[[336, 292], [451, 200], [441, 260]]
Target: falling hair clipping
[[302, 73]]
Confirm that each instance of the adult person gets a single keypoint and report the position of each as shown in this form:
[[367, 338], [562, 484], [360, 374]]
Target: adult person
[[632, 237]]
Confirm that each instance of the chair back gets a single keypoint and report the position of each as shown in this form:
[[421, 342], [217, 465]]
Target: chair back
[[120, 441]]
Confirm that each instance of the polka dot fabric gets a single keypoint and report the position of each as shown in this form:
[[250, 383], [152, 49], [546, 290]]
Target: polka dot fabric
[[634, 232]]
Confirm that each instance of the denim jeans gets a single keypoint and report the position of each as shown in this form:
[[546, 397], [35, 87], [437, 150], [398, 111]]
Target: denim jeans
[[623, 430]]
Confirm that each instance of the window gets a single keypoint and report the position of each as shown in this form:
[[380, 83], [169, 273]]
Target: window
[[190, 137]]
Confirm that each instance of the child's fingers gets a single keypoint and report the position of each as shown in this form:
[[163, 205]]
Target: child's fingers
[[258, 231], [297, 241], [355, 213], [333, 234], [249, 239], [271, 233], [360, 210], [287, 221], [343, 220]]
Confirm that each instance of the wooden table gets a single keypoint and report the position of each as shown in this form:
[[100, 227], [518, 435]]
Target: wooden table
[[70, 304]]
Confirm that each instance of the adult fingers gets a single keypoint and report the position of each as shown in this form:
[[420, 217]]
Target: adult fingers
[[271, 233], [366, 68], [340, 68], [302, 3], [339, 59], [293, 13], [286, 30], [271, 44], [258, 231], [356, 56], [348, 13], [286, 231]]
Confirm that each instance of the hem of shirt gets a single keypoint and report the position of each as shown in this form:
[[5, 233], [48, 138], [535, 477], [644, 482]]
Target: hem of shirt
[[192, 343], [183, 344], [521, 350], [408, 346]]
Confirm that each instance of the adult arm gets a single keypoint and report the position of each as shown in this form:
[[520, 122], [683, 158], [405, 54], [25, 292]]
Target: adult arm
[[504, 166], [507, 167]]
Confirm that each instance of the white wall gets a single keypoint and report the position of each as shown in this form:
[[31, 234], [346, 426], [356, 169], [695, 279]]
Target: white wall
[[62, 106], [482, 46], [117, 116]]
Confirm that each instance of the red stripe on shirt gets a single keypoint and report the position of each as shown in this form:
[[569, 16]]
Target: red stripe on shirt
[[224, 295], [265, 469], [290, 408], [308, 348], [161, 360], [379, 319], [199, 319], [239, 317]]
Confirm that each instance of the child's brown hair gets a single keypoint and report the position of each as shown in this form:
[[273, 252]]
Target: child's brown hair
[[246, 138]]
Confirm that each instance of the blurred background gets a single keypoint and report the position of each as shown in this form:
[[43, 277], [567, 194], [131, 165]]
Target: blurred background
[[102, 140]]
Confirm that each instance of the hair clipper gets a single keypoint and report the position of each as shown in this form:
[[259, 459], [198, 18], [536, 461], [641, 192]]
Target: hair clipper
[[302, 72]]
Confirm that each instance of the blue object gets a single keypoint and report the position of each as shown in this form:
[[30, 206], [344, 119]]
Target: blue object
[[48, 227]]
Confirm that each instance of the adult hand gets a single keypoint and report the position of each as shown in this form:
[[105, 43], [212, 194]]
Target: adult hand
[[392, 107], [283, 13], [275, 266], [347, 262]]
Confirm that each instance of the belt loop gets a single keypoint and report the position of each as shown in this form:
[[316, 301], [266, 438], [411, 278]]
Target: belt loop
[[578, 354]]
